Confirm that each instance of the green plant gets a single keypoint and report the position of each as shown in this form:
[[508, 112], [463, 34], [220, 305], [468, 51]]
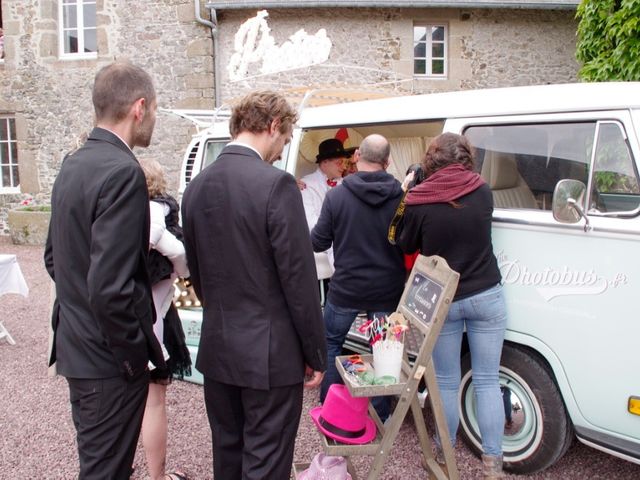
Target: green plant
[[35, 208], [609, 40]]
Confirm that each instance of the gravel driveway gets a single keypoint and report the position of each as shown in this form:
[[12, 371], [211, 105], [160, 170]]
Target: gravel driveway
[[37, 435]]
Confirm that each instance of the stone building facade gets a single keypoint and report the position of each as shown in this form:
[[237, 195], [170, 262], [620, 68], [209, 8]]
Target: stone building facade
[[487, 47], [49, 98]]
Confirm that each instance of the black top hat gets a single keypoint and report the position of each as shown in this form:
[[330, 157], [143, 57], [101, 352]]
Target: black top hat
[[332, 148]]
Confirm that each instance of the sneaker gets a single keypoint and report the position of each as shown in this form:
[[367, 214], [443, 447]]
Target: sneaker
[[422, 397]]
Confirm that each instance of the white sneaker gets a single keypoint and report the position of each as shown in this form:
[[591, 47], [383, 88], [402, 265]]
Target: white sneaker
[[422, 397]]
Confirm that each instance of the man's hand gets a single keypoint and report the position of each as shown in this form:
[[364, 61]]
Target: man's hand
[[301, 184], [314, 378]]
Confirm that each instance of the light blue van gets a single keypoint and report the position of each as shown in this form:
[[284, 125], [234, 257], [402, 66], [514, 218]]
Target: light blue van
[[569, 260]]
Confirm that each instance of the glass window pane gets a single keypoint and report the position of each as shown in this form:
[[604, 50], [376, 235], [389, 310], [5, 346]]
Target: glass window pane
[[70, 13], [543, 154], [419, 50], [89, 15], [615, 180], [71, 41], [3, 129], [16, 176], [437, 67], [6, 176], [419, 34], [419, 67], [212, 151], [4, 153], [437, 33], [14, 152], [90, 43], [437, 50]]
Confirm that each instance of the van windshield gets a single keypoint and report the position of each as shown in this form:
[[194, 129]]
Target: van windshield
[[211, 151]]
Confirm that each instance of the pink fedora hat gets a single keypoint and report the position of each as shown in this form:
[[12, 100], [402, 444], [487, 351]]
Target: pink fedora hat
[[324, 467], [343, 417]]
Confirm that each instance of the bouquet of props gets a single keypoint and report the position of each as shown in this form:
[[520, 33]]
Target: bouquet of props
[[386, 336]]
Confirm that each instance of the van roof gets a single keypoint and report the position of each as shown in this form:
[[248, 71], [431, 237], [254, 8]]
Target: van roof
[[570, 97]]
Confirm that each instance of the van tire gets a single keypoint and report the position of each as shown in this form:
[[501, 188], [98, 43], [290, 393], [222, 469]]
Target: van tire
[[544, 433]]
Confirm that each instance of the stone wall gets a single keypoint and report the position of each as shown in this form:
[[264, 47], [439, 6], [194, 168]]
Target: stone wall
[[487, 47], [51, 98]]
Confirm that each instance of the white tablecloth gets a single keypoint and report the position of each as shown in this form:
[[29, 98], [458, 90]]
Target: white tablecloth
[[11, 279]]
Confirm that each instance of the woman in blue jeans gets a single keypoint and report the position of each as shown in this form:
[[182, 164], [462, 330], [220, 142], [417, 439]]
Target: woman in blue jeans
[[449, 214]]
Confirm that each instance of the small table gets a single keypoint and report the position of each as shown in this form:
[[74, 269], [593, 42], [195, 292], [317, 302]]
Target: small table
[[11, 281]]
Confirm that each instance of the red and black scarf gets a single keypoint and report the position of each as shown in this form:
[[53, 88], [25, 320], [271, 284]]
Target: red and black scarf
[[445, 185]]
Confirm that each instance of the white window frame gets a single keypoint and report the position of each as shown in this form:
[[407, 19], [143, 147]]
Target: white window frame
[[429, 58], [10, 161], [81, 54]]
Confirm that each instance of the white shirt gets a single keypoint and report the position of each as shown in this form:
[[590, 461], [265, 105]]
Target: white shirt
[[241, 144], [164, 241], [312, 199], [313, 195]]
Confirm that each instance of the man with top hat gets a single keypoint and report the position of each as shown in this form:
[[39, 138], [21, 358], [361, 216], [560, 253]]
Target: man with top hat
[[330, 160]]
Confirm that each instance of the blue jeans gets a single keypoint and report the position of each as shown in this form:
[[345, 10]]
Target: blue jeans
[[337, 322], [485, 318]]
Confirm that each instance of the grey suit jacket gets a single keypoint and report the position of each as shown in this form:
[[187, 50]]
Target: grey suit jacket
[[252, 266], [96, 253]]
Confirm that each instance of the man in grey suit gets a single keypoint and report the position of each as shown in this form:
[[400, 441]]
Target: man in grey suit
[[96, 253], [252, 266]]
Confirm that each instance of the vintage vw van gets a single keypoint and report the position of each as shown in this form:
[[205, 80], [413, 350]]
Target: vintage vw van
[[569, 261]]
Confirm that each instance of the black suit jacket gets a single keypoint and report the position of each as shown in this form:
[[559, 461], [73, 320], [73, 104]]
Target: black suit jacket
[[96, 253], [252, 266]]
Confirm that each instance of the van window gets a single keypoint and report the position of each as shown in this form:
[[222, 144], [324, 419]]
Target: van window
[[523, 163], [615, 180], [211, 152]]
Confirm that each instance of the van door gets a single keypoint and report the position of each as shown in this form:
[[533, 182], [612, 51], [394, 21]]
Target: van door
[[570, 292]]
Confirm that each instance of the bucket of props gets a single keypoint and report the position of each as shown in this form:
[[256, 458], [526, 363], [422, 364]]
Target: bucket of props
[[387, 359]]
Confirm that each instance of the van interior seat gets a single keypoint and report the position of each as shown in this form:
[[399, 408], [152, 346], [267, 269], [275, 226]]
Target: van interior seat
[[500, 171]]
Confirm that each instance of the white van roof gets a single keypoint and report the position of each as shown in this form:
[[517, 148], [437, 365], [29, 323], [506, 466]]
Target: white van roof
[[570, 97]]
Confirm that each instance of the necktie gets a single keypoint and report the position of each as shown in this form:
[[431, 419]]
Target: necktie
[[332, 183]]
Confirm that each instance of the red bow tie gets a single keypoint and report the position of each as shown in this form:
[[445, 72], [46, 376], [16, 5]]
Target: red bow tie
[[332, 183]]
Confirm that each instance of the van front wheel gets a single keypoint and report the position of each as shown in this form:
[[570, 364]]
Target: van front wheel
[[540, 432]]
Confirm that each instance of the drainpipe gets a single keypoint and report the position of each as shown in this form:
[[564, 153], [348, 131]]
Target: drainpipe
[[213, 25]]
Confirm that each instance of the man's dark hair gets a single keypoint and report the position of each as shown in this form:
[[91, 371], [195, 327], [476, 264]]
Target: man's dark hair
[[117, 86], [257, 110]]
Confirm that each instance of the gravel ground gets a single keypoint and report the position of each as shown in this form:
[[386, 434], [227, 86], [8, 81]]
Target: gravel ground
[[37, 438]]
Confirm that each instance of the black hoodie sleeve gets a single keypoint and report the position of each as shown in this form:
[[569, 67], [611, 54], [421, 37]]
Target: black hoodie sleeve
[[322, 233]]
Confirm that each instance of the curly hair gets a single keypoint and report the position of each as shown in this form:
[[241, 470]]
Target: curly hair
[[446, 149], [256, 111], [155, 176]]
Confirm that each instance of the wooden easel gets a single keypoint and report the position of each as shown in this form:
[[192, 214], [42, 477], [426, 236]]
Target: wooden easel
[[424, 304]]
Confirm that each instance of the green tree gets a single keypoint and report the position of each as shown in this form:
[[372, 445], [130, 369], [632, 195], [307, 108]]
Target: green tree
[[609, 40]]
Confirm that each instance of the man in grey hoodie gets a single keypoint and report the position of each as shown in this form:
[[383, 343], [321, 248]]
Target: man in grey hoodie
[[369, 271]]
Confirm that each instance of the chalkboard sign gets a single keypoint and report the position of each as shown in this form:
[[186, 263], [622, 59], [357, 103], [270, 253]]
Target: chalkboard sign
[[422, 295]]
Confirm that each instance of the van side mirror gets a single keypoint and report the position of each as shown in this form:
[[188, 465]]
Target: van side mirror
[[568, 198]]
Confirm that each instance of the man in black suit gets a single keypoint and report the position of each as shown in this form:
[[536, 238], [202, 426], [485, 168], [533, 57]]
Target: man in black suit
[[252, 266], [96, 253]]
